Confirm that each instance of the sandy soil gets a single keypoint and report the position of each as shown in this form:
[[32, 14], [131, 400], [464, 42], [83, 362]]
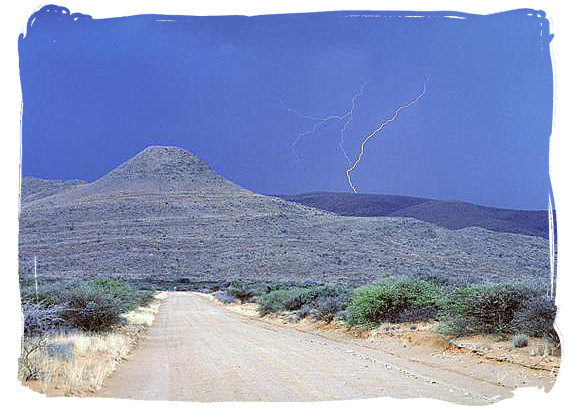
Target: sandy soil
[[199, 350]]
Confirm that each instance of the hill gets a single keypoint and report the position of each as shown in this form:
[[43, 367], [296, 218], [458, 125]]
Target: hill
[[451, 215], [165, 215], [33, 188]]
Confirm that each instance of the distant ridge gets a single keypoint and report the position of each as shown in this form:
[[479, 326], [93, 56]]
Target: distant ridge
[[449, 214]]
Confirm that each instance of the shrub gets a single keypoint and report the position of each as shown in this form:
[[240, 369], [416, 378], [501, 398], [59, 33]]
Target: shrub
[[520, 341], [29, 364], [387, 300], [92, 305], [326, 300], [224, 297], [116, 287], [305, 311], [328, 307], [273, 301], [296, 299], [242, 291], [40, 319], [536, 317], [483, 308], [129, 297], [91, 310], [47, 295], [309, 296], [50, 294]]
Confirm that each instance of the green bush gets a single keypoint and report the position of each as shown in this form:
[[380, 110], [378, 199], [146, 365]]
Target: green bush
[[115, 287], [47, 295], [129, 297], [297, 298], [483, 308], [273, 301], [54, 293], [93, 305], [242, 291], [310, 296], [326, 299], [389, 299]]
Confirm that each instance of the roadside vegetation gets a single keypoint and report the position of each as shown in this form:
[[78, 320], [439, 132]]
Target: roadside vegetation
[[394, 300], [324, 302], [510, 310], [320, 302], [76, 332]]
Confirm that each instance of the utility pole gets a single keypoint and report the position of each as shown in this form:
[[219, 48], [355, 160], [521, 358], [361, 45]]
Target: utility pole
[[35, 278]]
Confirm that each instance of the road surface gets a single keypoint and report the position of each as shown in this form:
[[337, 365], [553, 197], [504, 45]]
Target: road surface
[[198, 350]]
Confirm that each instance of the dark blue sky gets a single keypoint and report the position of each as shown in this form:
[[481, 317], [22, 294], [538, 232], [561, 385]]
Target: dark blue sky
[[96, 92]]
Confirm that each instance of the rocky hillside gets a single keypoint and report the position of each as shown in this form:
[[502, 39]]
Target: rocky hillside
[[165, 214], [33, 188], [451, 215]]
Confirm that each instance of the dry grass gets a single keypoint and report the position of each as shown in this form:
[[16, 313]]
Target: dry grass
[[145, 315], [77, 363]]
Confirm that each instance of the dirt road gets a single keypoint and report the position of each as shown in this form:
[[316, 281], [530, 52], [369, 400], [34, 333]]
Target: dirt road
[[197, 350]]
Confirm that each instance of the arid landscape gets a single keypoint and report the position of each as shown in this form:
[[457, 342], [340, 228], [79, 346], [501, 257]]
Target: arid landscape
[[323, 305], [307, 206]]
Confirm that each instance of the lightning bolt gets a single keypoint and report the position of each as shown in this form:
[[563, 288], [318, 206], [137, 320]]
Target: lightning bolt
[[378, 129], [320, 121], [349, 115]]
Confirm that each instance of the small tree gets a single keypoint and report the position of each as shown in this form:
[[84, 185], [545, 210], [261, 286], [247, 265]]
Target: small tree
[[29, 368]]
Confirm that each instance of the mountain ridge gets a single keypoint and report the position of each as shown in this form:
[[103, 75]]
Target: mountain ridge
[[145, 221], [445, 213]]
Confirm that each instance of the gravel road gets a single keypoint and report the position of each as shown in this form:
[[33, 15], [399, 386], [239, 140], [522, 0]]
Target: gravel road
[[197, 350]]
